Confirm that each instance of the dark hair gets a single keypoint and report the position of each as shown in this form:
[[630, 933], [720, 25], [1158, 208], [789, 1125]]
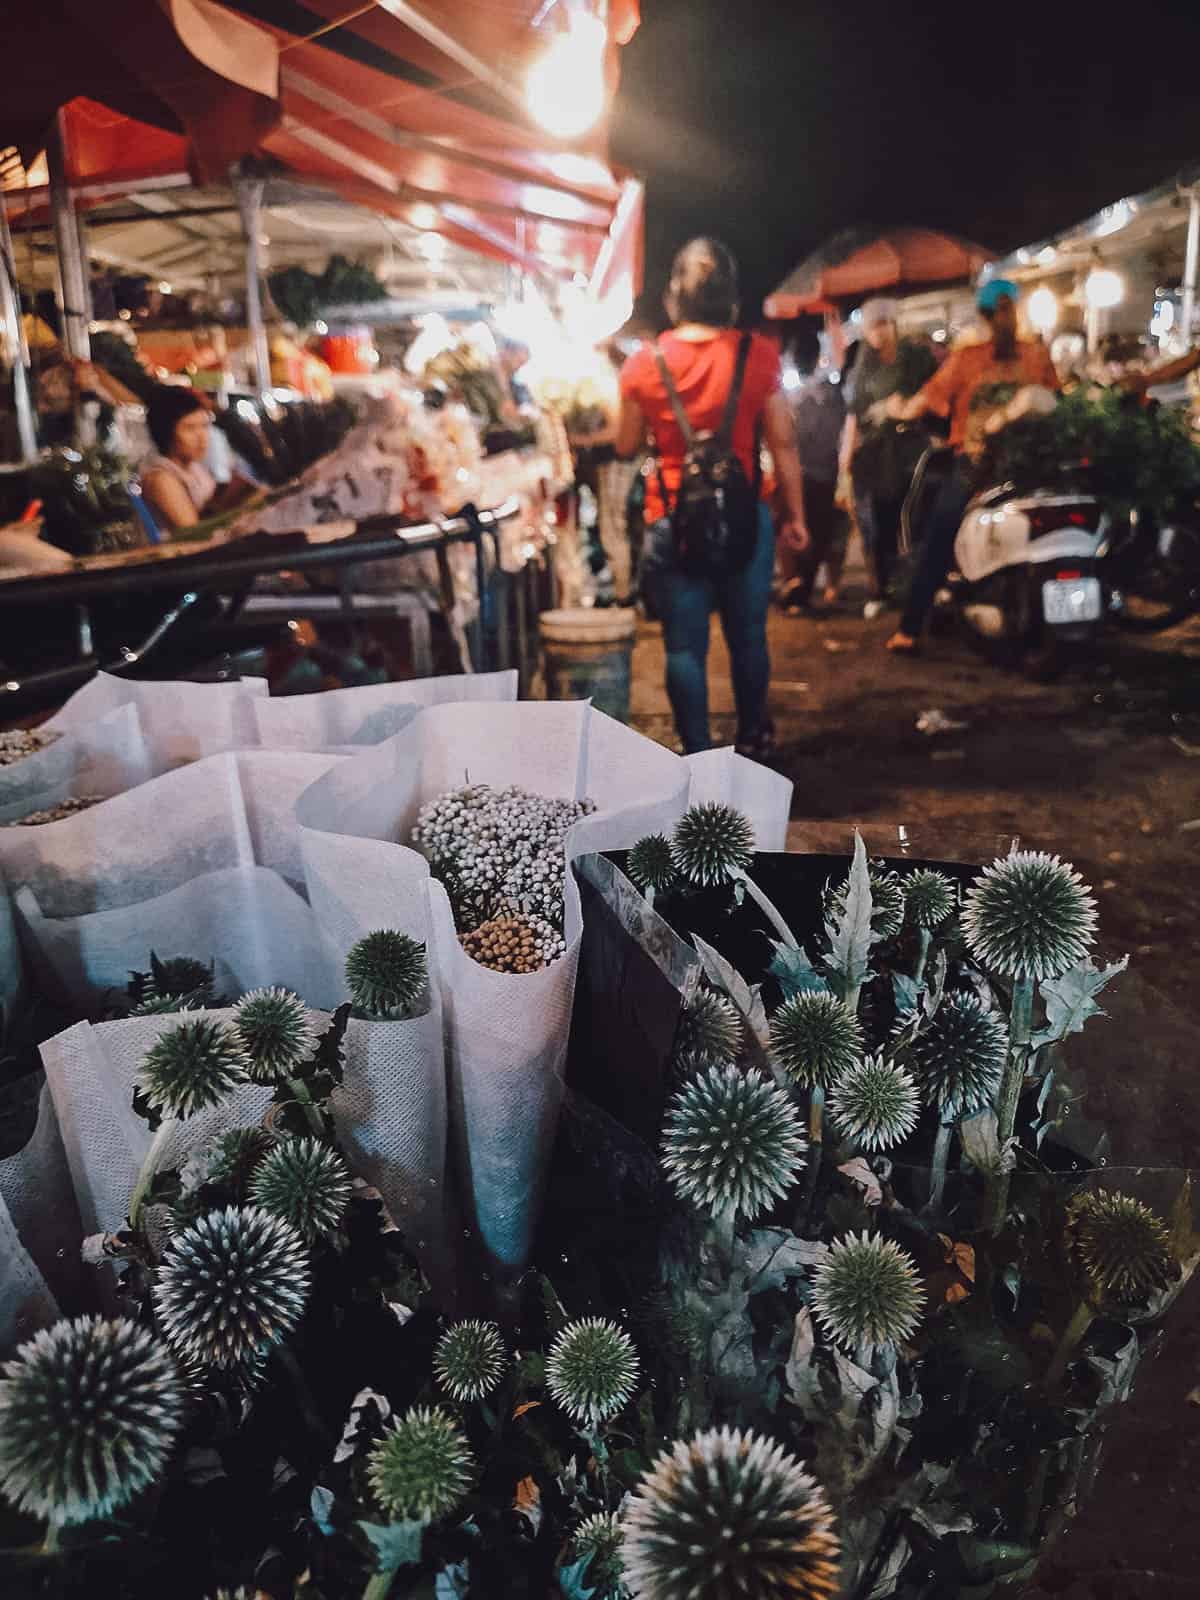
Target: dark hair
[[704, 284], [166, 409]]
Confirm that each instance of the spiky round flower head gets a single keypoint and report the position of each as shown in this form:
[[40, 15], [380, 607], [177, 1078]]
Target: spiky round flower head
[[712, 844], [729, 1514], [161, 1005], [469, 1359], [650, 864], [181, 975], [815, 1039], [959, 1056], [89, 1411], [192, 1066], [591, 1369], [1123, 1247], [887, 902], [875, 1103], [867, 1292], [732, 1141], [233, 1157], [599, 1539], [304, 1182], [387, 973], [709, 1032], [1029, 915], [421, 1469], [231, 1284], [274, 1027], [929, 898]]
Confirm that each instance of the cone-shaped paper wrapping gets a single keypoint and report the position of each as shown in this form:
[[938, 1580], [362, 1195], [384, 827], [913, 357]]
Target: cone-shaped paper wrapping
[[148, 869], [764, 796], [506, 1033], [40, 1269], [180, 721], [390, 1114], [101, 757], [353, 719]]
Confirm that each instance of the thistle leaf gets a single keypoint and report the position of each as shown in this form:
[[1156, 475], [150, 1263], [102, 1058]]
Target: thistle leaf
[[906, 990], [725, 976], [395, 1544], [794, 971], [1070, 1000], [850, 933], [773, 1255], [572, 1580]]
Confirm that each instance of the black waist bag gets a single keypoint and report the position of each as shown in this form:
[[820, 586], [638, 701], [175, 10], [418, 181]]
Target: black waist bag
[[715, 519]]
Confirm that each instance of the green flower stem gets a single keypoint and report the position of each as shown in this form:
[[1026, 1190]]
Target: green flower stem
[[145, 1177], [50, 1544], [379, 1585], [648, 895], [816, 1145], [937, 1172], [924, 943], [312, 1112], [768, 909], [1020, 1029], [1085, 1315], [305, 1404], [724, 1223]]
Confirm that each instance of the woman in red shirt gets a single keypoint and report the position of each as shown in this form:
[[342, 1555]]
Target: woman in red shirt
[[701, 354]]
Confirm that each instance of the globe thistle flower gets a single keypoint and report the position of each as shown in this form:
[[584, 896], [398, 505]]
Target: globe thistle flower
[[591, 1369], [867, 1292], [887, 903], [231, 1284], [276, 1033], [180, 976], [710, 1031], [387, 973], [712, 844], [1122, 1246], [469, 1360], [729, 1514], [161, 1005], [876, 1103], [929, 898], [89, 1411], [815, 1039], [732, 1142], [650, 864], [599, 1539], [1029, 916], [421, 1469], [304, 1182], [192, 1066], [233, 1157], [959, 1056]]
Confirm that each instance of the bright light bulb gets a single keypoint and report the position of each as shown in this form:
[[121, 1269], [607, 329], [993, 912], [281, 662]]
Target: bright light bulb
[[1043, 309], [1104, 288], [565, 88]]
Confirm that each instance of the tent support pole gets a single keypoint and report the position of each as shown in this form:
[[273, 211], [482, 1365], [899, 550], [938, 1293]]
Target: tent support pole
[[1192, 264], [74, 295], [249, 197], [18, 350]]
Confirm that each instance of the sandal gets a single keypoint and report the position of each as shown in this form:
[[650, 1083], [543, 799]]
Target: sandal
[[903, 644]]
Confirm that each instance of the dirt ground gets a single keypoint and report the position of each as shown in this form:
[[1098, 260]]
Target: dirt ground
[[1103, 767]]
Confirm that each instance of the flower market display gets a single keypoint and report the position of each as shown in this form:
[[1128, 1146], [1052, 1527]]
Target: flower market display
[[319, 1281]]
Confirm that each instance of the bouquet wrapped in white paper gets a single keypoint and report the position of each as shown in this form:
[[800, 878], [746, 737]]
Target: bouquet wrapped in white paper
[[101, 756], [352, 719], [180, 721]]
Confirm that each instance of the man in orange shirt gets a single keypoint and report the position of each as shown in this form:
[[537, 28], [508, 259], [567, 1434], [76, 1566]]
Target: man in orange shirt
[[973, 386]]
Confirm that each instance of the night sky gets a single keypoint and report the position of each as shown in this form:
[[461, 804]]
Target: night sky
[[774, 124]]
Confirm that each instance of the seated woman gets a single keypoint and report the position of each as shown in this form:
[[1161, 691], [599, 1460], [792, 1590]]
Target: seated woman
[[176, 483]]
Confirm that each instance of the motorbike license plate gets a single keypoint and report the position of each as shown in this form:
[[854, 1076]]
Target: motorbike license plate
[[1071, 600]]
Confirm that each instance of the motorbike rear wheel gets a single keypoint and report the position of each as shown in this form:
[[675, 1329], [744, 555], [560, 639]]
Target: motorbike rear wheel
[[1165, 589]]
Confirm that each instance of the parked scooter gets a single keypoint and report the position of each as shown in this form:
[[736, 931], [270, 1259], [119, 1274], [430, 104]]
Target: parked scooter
[[1039, 575]]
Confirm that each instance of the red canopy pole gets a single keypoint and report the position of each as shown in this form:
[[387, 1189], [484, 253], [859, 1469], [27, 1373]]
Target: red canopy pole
[[73, 290]]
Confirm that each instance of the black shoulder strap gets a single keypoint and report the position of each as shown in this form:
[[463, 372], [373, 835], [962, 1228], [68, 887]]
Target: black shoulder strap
[[681, 416], [725, 432]]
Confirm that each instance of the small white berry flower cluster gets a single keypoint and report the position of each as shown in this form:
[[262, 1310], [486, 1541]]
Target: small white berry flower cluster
[[498, 850]]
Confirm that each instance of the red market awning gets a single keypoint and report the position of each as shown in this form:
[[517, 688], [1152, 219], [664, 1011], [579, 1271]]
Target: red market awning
[[414, 112], [860, 262]]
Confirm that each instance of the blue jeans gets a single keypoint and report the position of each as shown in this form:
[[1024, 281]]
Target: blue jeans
[[685, 605], [937, 548]]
